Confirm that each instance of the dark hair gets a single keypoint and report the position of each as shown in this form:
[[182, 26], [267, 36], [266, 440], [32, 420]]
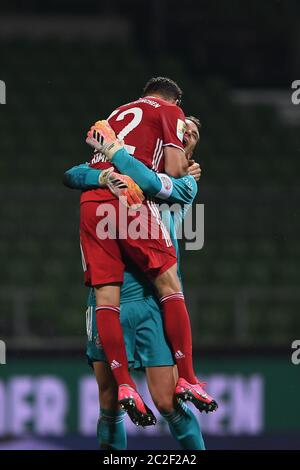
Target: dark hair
[[166, 87], [195, 121]]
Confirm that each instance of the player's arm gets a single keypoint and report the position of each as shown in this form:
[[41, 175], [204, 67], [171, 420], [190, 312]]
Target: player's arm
[[123, 187], [82, 177], [175, 162], [173, 128], [182, 190], [153, 184], [161, 186], [145, 178]]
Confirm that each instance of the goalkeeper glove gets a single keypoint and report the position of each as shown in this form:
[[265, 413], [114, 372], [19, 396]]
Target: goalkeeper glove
[[123, 187], [103, 138]]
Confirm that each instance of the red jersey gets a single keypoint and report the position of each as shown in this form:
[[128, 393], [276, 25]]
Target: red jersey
[[146, 126]]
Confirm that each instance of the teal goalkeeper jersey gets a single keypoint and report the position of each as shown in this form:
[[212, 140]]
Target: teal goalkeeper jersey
[[163, 188]]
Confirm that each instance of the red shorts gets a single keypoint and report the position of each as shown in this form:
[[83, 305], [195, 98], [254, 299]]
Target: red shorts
[[110, 233]]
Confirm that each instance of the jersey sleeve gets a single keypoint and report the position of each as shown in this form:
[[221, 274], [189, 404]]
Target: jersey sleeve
[[82, 177], [181, 190], [183, 193], [173, 126], [147, 179], [184, 190]]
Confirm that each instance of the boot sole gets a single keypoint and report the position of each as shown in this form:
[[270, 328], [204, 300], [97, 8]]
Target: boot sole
[[200, 405], [138, 418]]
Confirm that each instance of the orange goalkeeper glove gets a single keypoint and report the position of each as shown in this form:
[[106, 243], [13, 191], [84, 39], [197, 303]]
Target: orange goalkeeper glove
[[123, 187], [103, 139]]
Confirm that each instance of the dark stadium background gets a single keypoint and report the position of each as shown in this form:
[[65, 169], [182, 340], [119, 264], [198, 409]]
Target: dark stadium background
[[68, 63]]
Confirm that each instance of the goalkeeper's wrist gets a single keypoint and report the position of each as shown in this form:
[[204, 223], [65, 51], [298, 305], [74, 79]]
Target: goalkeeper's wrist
[[111, 148], [103, 177]]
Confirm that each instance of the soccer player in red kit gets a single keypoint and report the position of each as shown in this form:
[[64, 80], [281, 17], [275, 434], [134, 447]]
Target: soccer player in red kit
[[152, 129]]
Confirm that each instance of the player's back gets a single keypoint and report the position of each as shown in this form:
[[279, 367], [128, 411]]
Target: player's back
[[146, 126]]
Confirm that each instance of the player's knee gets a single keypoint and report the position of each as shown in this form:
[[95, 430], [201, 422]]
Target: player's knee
[[164, 404], [108, 393], [108, 397]]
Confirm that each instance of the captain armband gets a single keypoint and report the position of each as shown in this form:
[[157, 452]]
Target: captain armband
[[166, 186]]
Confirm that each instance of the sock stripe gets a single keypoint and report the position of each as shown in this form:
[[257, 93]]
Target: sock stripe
[[184, 427], [108, 307], [111, 419], [176, 296], [183, 406], [173, 417]]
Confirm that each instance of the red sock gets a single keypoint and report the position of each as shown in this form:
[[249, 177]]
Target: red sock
[[111, 337], [178, 331]]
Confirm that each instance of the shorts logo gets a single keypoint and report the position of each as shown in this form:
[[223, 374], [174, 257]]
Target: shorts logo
[[179, 354], [115, 364]]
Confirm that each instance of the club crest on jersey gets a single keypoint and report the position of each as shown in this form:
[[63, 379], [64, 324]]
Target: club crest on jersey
[[181, 126]]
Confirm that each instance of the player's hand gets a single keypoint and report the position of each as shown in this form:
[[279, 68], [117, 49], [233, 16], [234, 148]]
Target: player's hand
[[94, 139], [103, 139], [194, 170], [123, 187]]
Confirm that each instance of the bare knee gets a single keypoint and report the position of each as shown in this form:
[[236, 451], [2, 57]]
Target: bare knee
[[164, 404], [107, 386], [108, 399]]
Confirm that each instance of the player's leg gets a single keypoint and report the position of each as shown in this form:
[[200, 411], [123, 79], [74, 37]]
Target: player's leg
[[176, 321], [155, 256], [182, 423], [111, 335], [178, 331], [110, 331], [152, 352], [104, 269], [111, 430]]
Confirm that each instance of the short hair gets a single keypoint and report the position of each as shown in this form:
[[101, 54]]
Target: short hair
[[164, 86], [195, 121]]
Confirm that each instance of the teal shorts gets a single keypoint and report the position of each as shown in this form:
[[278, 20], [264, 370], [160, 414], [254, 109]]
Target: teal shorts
[[146, 345]]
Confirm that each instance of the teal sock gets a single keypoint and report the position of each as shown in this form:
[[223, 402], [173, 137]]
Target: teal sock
[[185, 428], [111, 432]]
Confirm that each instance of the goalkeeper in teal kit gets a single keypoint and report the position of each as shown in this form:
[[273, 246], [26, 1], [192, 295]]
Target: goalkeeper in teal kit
[[141, 318]]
